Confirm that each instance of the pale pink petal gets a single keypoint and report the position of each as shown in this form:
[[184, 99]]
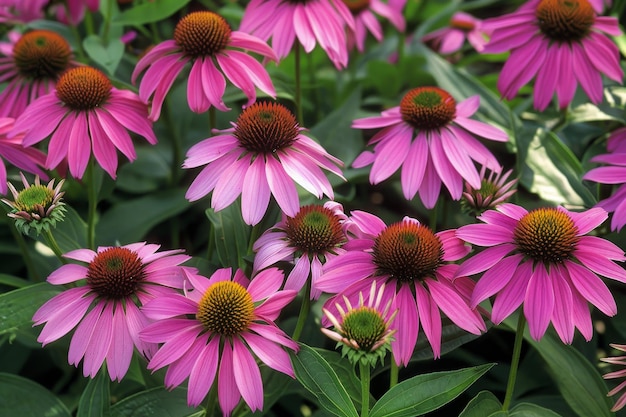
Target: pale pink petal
[[196, 99], [265, 284], [229, 184], [255, 193], [121, 350], [213, 84], [391, 155], [247, 376], [414, 166], [227, 391], [431, 186], [282, 187], [299, 274]]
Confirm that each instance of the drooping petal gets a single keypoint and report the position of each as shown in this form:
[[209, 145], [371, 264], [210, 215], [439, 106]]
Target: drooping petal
[[539, 302]]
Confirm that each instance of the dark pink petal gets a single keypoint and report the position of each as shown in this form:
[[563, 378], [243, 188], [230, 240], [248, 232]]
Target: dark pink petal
[[389, 156], [607, 24], [103, 149], [485, 234], [265, 283], [203, 372], [607, 175], [591, 287], [521, 67], [152, 56], [174, 348], [271, 308], [603, 55], [100, 341], [453, 247], [562, 313], [196, 99], [213, 84], [237, 75], [273, 333], [599, 265], [368, 223], [375, 121], [79, 146], [481, 129], [243, 40], [269, 353], [601, 247], [136, 322], [566, 86], [484, 260], [548, 77], [459, 159], [117, 134], [407, 325], [67, 273], [581, 315], [431, 186], [255, 71], [299, 274], [48, 111], [455, 307], [512, 295], [446, 171], [59, 142], [586, 74], [303, 29], [430, 318], [163, 330], [539, 302], [227, 391], [588, 220], [494, 279]]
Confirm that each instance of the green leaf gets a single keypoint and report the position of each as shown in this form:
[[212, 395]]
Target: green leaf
[[231, 235], [150, 11], [107, 56], [424, 393], [531, 410], [25, 398], [345, 372], [153, 402], [319, 378], [452, 336], [11, 281], [18, 306], [96, 398], [71, 233], [578, 380], [484, 404], [130, 220]]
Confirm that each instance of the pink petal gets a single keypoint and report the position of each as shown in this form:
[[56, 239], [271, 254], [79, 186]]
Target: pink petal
[[414, 166], [203, 372], [512, 295], [562, 313], [407, 325], [282, 187], [484, 260], [99, 343], [494, 279], [430, 318], [247, 376], [591, 287], [255, 194], [67, 273], [269, 353], [121, 350], [227, 391], [213, 84], [539, 302]]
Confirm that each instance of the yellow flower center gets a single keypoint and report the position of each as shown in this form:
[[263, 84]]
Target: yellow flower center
[[266, 127], [314, 229], [427, 108], [546, 234], [226, 308], [41, 54], [202, 34], [83, 88], [565, 20], [115, 273]]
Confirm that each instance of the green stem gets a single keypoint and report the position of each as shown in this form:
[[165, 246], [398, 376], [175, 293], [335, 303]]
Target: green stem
[[92, 197], [107, 23], [433, 216], [82, 56], [517, 349], [211, 404], [304, 310], [28, 260], [176, 142], [393, 373], [52, 244], [298, 84], [364, 372], [212, 120]]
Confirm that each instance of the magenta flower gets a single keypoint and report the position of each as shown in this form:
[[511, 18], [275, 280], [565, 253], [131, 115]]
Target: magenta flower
[[11, 150], [263, 154], [85, 114], [494, 190], [310, 238], [311, 21], [412, 262], [104, 310], [450, 39], [433, 139], [613, 173], [206, 40], [72, 12], [21, 11], [621, 373], [365, 19], [214, 329], [560, 44], [31, 66], [543, 259]]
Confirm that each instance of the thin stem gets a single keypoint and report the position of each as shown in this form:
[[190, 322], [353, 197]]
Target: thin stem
[[212, 120], [92, 197], [298, 84], [517, 349], [304, 310], [364, 372], [28, 260], [52, 244], [176, 142], [393, 373], [433, 215]]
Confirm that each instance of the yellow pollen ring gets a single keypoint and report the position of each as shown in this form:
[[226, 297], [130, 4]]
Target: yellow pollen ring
[[226, 308]]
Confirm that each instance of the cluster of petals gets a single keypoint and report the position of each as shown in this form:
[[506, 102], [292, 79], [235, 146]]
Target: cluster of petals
[[12, 150], [190, 350], [107, 328], [451, 38], [418, 302], [557, 65], [72, 12], [365, 20], [558, 291], [613, 173], [21, 11], [313, 21], [621, 374]]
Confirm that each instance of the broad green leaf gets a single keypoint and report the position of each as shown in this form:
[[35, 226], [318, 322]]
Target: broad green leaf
[[146, 174], [130, 220], [484, 404], [96, 398], [155, 402], [149, 11], [589, 112], [71, 233], [531, 410], [231, 235], [345, 371], [25, 398], [18, 306], [424, 393], [108, 55], [319, 378]]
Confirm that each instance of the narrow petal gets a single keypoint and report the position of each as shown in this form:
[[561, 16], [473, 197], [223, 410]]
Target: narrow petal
[[494, 279], [591, 287], [430, 318], [407, 325], [539, 302], [282, 187], [203, 372], [247, 376], [512, 295], [255, 193], [227, 391], [562, 313]]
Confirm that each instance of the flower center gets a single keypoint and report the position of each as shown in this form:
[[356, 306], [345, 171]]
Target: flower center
[[427, 108], [115, 273], [546, 234], [462, 24], [30, 198], [226, 308], [202, 33], [407, 251], [365, 326], [41, 54], [83, 88], [565, 20], [357, 6], [266, 127], [314, 229]]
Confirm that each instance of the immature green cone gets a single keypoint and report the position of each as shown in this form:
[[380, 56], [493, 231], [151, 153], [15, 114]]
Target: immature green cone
[[37, 206]]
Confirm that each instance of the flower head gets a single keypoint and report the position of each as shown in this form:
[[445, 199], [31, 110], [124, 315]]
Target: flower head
[[72, 12], [207, 41], [12, 150], [85, 114], [621, 361], [364, 331], [309, 239], [263, 154], [493, 190], [37, 206], [21, 11], [215, 329], [31, 66], [105, 309], [433, 139], [311, 21], [413, 263], [450, 39], [544, 260], [365, 19], [560, 44]]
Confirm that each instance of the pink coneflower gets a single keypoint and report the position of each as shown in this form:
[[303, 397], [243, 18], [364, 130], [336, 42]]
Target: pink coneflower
[[613, 173], [104, 310], [559, 42], [543, 259], [621, 361], [263, 154], [13, 151], [85, 114], [365, 19], [494, 189], [450, 39], [72, 12], [215, 328], [311, 21], [433, 139], [310, 238], [206, 40], [412, 262], [31, 66], [21, 11]]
